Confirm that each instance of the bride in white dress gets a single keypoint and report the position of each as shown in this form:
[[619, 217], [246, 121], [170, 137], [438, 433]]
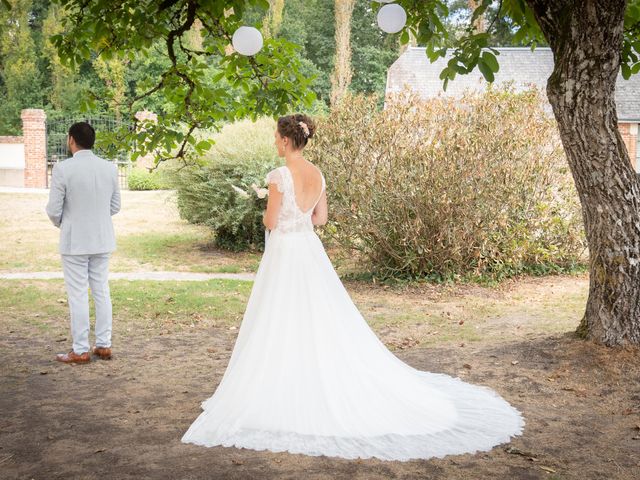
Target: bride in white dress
[[307, 373]]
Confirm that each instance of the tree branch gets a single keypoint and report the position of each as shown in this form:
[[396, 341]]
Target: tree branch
[[167, 4], [495, 18]]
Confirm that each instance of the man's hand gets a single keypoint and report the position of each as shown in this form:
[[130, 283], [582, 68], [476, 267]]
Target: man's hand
[[56, 195]]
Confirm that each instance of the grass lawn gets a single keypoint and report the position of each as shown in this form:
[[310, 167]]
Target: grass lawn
[[403, 317], [149, 233], [139, 306], [185, 252]]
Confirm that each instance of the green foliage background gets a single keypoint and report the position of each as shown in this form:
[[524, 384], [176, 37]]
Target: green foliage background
[[33, 76]]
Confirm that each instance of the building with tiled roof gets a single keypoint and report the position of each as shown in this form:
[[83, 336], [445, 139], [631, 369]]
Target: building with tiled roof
[[520, 67]]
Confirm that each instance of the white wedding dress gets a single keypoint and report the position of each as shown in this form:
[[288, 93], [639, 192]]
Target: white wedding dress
[[308, 375]]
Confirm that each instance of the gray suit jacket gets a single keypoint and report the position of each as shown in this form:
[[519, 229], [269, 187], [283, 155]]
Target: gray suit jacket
[[84, 194]]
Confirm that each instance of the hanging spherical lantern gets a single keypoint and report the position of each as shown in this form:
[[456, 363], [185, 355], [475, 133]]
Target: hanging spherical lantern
[[247, 41], [392, 18]]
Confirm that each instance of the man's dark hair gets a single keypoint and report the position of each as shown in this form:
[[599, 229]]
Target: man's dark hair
[[83, 134]]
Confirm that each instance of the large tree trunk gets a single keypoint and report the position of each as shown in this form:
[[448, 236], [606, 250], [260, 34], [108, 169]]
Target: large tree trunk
[[586, 39], [342, 73]]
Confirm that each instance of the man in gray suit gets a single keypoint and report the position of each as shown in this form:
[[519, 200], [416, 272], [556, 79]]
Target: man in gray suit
[[84, 195]]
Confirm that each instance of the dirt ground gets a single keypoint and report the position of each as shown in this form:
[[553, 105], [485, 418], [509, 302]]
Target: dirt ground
[[123, 419]]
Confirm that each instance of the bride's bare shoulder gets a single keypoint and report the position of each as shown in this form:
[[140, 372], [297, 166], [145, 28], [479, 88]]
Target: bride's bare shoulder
[[314, 168]]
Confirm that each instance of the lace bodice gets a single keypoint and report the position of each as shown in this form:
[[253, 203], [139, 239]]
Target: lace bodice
[[291, 218]]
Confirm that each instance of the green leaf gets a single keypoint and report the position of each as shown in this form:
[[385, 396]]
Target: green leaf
[[520, 35], [490, 59], [486, 71], [203, 145]]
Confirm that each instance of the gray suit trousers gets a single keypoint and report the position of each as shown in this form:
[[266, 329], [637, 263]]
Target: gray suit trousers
[[80, 273]]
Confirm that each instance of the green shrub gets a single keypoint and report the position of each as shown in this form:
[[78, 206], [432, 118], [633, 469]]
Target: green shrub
[[469, 187], [143, 180], [242, 155]]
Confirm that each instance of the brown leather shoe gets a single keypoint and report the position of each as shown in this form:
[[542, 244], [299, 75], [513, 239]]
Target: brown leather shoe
[[73, 357], [103, 353]]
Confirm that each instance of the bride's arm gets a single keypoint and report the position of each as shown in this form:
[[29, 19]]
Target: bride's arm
[[274, 202], [320, 213]]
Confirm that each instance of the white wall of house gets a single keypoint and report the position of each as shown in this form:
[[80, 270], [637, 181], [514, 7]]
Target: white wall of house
[[11, 164]]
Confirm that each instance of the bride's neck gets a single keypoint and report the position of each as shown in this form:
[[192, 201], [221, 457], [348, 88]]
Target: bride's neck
[[294, 158]]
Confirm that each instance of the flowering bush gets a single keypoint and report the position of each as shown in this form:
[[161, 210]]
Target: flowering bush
[[477, 186], [220, 193]]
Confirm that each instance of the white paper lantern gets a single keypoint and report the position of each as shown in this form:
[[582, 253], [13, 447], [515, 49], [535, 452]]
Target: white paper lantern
[[247, 41], [392, 18]]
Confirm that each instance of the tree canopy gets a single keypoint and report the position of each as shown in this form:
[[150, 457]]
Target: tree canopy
[[72, 57]]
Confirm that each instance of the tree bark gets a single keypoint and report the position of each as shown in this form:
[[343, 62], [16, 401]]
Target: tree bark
[[586, 40], [273, 19], [341, 78]]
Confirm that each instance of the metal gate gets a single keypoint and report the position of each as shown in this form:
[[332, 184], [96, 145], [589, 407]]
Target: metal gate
[[58, 129]]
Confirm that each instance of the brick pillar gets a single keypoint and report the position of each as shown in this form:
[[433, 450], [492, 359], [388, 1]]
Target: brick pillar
[[147, 160], [629, 133], [34, 133]]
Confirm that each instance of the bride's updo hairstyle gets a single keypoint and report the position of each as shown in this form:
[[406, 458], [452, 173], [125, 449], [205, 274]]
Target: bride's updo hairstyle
[[299, 128]]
